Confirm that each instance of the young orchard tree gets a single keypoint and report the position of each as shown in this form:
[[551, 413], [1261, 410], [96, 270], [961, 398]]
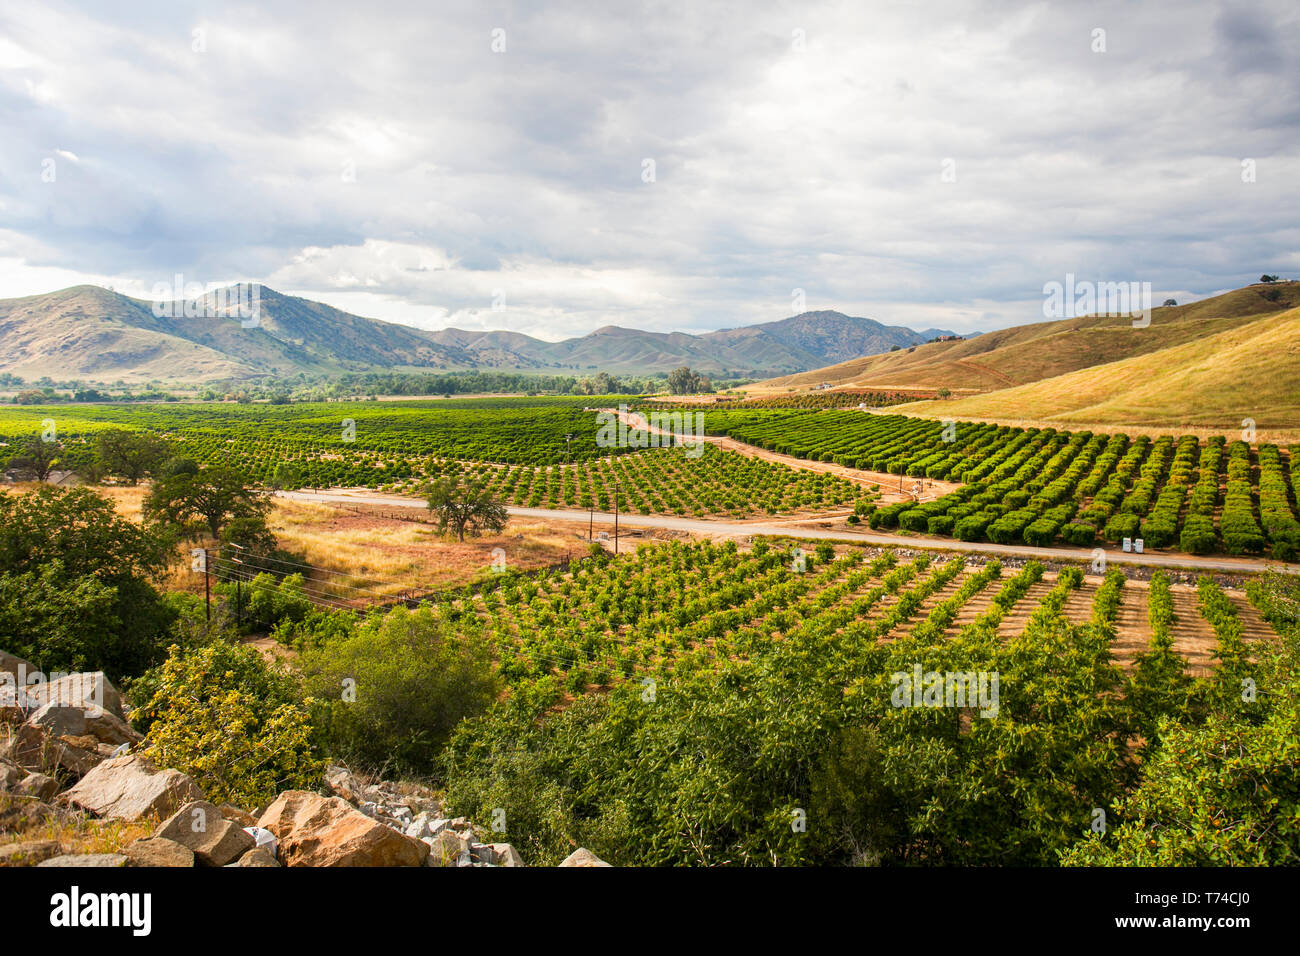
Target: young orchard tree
[[465, 508], [206, 501]]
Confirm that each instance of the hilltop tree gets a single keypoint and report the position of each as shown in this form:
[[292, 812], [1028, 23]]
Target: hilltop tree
[[207, 501], [465, 508], [1268, 278], [131, 455]]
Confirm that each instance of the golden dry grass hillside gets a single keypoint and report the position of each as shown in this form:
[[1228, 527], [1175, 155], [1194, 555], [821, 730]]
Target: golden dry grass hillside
[[1031, 353], [1249, 371]]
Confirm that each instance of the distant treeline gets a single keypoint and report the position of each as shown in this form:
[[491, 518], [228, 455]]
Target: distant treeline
[[318, 388]]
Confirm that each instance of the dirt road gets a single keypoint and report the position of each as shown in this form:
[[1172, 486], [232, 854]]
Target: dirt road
[[809, 529]]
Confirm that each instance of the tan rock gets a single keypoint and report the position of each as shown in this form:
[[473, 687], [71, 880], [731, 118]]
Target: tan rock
[[22, 813], [200, 826], [128, 788], [29, 853], [258, 856], [97, 726], [15, 666], [236, 815], [582, 857], [10, 774], [38, 785], [507, 855], [90, 689], [159, 852], [33, 748], [445, 848], [327, 831], [87, 859]]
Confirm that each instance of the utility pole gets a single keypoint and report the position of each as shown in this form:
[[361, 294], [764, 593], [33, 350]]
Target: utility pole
[[207, 587]]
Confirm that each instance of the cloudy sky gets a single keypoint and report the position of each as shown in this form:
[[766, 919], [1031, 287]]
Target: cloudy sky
[[556, 167]]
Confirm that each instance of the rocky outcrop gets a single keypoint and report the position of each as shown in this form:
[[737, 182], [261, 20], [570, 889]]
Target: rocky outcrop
[[91, 691], [258, 856], [131, 787], [200, 826], [70, 720], [327, 831]]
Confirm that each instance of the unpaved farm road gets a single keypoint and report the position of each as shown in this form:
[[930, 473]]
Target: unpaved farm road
[[808, 529]]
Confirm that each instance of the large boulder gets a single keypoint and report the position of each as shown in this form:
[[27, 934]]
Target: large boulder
[[582, 857], [327, 831], [32, 748], [159, 852], [75, 720], [131, 787], [200, 826], [89, 690]]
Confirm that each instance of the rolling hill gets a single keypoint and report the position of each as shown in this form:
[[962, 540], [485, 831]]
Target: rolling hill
[[1250, 370], [1031, 353], [89, 333]]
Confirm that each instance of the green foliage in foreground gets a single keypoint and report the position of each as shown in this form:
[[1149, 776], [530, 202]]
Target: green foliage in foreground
[[230, 720], [76, 584], [800, 756], [1223, 793], [390, 693]]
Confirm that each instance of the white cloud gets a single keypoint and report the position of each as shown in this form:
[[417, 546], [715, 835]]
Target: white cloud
[[383, 159]]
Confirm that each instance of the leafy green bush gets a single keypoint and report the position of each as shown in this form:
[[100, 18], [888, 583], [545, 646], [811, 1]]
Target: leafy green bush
[[65, 549], [390, 694], [230, 720], [940, 524], [1080, 534]]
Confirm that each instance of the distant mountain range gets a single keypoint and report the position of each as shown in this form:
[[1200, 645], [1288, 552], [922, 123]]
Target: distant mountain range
[[90, 333]]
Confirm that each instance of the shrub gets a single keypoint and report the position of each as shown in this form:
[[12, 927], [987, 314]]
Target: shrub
[[913, 520], [940, 524], [230, 720], [1197, 536], [1079, 534], [392, 692], [1121, 526], [972, 528]]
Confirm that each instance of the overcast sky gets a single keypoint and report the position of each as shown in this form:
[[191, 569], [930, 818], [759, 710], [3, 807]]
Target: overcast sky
[[921, 163]]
